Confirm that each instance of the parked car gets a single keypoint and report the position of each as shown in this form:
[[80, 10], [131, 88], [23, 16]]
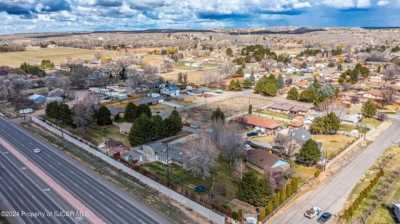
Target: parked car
[[312, 212], [250, 220], [36, 150], [252, 133], [324, 217], [247, 147], [396, 211]]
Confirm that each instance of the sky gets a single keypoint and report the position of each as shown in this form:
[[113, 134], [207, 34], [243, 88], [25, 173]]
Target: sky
[[25, 16]]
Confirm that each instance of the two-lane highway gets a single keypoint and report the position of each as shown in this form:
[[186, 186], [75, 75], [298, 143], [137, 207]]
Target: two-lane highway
[[107, 202]]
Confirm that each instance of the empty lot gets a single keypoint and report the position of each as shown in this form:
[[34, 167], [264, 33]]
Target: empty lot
[[57, 55]]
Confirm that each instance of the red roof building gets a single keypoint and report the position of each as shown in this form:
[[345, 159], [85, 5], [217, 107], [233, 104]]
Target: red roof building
[[261, 122]]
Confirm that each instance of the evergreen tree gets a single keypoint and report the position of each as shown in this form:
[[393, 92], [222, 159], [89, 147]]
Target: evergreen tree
[[65, 114], [254, 190], [326, 125], [141, 131], [144, 109], [131, 112], [267, 86], [307, 96], [173, 124], [250, 109], [293, 94], [247, 83], [52, 110], [229, 52], [280, 82], [234, 85], [269, 208], [218, 115], [103, 116], [309, 153], [159, 129], [368, 109]]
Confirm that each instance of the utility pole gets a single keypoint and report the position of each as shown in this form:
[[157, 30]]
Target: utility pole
[[168, 171]]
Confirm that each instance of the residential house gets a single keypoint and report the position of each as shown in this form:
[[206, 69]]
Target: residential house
[[134, 156], [289, 108], [260, 122], [351, 118], [170, 90], [269, 164], [151, 100], [163, 153], [289, 141], [112, 147], [37, 99], [374, 94]]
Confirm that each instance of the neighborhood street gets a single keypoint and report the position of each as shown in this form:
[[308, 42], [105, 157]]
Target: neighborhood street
[[331, 195]]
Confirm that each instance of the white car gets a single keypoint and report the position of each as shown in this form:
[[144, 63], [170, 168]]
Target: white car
[[36, 150], [250, 220], [312, 212], [247, 147]]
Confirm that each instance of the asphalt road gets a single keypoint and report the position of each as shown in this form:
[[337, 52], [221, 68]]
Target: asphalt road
[[331, 196], [109, 203], [28, 196]]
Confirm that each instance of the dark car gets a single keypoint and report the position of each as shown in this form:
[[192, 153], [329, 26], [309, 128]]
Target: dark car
[[252, 134], [324, 217]]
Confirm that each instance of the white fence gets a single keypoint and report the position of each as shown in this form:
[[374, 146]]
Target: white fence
[[211, 215]]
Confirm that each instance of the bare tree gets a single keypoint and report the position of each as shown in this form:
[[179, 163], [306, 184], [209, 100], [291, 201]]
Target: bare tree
[[201, 155], [228, 140], [391, 72], [78, 75], [84, 111]]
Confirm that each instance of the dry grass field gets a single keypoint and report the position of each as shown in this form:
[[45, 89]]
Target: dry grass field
[[334, 144], [57, 55], [390, 163]]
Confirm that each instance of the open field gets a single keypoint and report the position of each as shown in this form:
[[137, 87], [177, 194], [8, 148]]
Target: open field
[[230, 106], [334, 144], [57, 55]]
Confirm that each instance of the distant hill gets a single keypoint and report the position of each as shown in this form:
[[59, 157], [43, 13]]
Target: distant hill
[[46, 35], [301, 30]]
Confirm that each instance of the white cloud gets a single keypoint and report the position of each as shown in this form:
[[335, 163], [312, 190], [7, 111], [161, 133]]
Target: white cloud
[[382, 3]]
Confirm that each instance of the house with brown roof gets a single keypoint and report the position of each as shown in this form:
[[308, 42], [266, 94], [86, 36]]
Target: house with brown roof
[[269, 164], [260, 122], [290, 108]]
